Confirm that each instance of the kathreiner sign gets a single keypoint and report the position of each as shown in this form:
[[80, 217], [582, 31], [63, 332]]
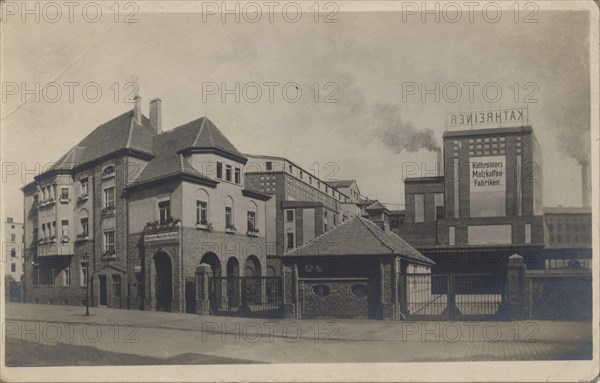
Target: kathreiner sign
[[487, 119]]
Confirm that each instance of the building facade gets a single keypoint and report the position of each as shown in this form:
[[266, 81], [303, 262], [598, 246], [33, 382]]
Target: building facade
[[133, 211], [569, 237], [486, 206], [301, 207], [13, 249]]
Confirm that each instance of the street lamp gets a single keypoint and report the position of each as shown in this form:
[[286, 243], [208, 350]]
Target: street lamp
[[86, 261]]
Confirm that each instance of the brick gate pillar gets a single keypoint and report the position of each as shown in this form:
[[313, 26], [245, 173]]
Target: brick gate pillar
[[515, 288], [203, 274], [290, 290]]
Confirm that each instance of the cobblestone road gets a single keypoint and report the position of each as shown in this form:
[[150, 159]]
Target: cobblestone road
[[166, 335]]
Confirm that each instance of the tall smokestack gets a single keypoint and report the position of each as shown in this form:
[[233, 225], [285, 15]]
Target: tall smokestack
[[137, 109], [440, 162], [156, 114], [586, 185]]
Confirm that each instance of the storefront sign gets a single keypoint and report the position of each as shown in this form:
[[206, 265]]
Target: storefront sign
[[488, 174], [487, 119], [161, 236]]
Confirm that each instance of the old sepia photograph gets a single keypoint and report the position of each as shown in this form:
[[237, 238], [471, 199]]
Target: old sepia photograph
[[299, 191]]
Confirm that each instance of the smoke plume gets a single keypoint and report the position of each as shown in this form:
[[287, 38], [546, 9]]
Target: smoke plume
[[397, 134]]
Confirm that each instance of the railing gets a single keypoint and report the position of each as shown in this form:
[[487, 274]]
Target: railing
[[246, 296]]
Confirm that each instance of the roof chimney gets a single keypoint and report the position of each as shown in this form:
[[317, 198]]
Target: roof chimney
[[156, 114], [137, 109]]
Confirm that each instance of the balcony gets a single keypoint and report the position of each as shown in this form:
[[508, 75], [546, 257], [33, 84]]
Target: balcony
[[253, 232], [204, 225], [65, 199], [109, 255], [82, 198], [230, 229], [65, 239], [108, 211], [157, 226], [51, 201], [82, 237]]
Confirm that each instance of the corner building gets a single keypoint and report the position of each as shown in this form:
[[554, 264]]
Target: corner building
[[135, 210]]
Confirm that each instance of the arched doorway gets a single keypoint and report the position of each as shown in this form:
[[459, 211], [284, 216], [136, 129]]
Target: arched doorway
[[163, 282], [233, 284], [254, 284], [212, 260]]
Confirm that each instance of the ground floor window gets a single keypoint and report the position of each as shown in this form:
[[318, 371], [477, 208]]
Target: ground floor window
[[51, 277], [84, 274], [67, 276]]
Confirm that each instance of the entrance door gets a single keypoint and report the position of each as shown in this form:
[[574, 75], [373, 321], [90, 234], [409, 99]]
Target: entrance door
[[103, 300], [190, 295], [164, 282]]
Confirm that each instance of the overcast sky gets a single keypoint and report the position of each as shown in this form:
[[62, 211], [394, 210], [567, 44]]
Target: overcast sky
[[368, 56]]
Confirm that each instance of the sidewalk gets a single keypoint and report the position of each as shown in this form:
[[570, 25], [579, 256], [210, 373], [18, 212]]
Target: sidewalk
[[166, 335]]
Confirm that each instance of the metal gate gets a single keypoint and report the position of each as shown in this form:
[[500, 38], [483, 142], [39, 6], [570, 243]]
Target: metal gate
[[260, 297], [451, 296]]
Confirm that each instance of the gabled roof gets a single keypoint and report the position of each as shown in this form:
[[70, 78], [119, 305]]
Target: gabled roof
[[170, 146], [120, 133], [377, 206], [341, 183], [201, 134], [358, 237]]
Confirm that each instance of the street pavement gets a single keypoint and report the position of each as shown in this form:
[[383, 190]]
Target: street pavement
[[169, 336]]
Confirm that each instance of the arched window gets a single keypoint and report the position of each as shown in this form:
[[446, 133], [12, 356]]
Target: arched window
[[229, 217], [202, 207], [252, 217], [108, 171], [84, 230]]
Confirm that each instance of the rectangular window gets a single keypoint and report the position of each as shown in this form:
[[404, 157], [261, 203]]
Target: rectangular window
[[251, 221], [419, 207], [36, 275], [519, 187], [35, 235], [201, 212], [290, 240], [84, 227], [325, 221], [84, 274], [64, 193], [228, 222], [219, 170], [289, 216], [84, 186], [335, 220], [269, 165], [109, 241], [164, 211], [228, 172], [54, 228], [109, 197], [13, 237], [237, 174], [527, 233], [51, 277], [439, 206], [67, 276], [43, 230], [452, 235], [290, 168], [65, 228], [13, 253], [13, 267], [456, 189]]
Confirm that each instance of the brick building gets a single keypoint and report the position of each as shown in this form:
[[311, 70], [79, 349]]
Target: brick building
[[569, 237], [13, 249], [301, 207], [146, 207], [486, 206]]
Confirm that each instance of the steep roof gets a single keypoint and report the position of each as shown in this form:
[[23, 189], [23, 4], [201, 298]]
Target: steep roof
[[377, 206], [201, 134], [121, 132], [360, 237], [169, 161]]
